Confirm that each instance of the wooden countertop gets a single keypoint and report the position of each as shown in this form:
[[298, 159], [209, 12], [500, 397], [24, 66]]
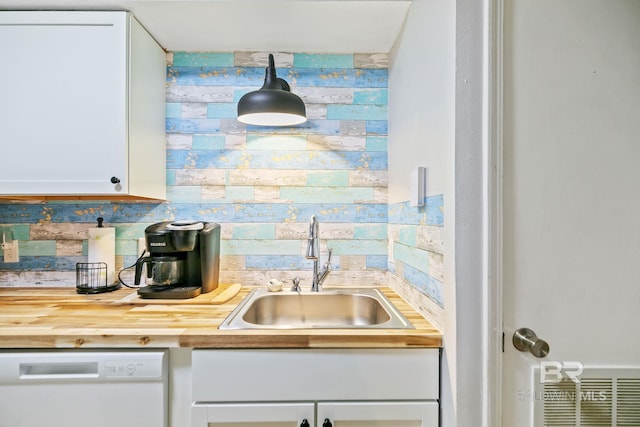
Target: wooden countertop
[[61, 318]]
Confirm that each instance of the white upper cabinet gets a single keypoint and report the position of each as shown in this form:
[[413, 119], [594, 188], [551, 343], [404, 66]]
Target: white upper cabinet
[[82, 106]]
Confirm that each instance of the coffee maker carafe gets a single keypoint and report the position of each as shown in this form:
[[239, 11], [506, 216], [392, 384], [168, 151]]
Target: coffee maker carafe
[[183, 260]]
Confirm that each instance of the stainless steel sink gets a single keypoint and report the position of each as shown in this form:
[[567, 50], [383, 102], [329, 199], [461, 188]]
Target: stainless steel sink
[[343, 308]]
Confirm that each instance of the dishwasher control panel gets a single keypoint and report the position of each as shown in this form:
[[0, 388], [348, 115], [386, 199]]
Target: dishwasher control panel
[[132, 368]]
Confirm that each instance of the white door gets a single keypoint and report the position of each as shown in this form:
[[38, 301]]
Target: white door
[[378, 414], [253, 415], [572, 210]]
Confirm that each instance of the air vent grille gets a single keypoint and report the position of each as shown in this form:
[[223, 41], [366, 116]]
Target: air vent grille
[[603, 397], [560, 407], [628, 405], [596, 402]]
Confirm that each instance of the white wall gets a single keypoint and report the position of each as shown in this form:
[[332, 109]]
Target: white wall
[[421, 99], [421, 133]]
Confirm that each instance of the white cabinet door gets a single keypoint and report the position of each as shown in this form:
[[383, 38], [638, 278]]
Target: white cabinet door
[[378, 414], [63, 104], [334, 414], [253, 415], [82, 106]]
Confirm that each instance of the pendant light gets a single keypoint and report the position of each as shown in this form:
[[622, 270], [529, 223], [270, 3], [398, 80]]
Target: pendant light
[[273, 104]]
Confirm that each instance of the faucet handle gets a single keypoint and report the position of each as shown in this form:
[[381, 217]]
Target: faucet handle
[[296, 285], [328, 263]]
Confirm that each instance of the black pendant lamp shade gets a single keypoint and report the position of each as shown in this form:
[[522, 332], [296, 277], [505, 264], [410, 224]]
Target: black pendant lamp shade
[[273, 104]]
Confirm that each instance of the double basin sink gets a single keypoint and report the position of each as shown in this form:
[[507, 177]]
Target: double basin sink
[[335, 308]]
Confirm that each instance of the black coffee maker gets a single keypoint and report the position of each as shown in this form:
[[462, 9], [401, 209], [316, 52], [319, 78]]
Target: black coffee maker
[[183, 260]]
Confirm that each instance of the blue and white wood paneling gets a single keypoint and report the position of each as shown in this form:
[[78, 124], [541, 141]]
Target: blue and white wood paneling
[[261, 184]]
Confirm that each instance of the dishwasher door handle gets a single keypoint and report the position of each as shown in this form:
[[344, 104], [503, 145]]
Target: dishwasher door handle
[[58, 370]]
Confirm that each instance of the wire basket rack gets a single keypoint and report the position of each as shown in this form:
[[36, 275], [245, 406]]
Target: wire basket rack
[[91, 278]]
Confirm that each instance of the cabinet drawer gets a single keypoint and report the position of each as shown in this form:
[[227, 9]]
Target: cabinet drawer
[[332, 374]]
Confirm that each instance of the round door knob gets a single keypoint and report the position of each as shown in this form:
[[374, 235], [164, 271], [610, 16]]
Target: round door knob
[[524, 339], [115, 180]]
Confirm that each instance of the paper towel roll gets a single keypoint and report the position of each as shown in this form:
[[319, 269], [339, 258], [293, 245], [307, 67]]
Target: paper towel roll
[[102, 248]]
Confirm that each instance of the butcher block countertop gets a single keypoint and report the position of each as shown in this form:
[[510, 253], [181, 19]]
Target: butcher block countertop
[[62, 318]]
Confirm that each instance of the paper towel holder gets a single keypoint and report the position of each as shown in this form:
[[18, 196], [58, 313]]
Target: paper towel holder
[[101, 248]]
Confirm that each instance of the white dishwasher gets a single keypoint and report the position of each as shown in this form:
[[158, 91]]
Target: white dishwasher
[[83, 388]]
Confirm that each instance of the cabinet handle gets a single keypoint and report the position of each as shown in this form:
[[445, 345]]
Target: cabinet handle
[[305, 423], [115, 180], [327, 423]]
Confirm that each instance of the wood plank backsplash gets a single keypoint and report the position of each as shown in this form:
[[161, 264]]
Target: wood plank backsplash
[[261, 184]]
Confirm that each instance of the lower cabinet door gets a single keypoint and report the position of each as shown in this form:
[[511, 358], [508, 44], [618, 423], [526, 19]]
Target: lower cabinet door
[[253, 415], [329, 414], [378, 414]]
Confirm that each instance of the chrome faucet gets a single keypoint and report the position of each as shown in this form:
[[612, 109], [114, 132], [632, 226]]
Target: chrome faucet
[[313, 252]]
